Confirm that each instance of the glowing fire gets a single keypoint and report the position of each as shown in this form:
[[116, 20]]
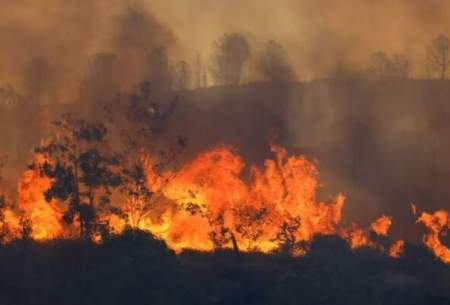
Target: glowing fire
[[359, 237], [396, 249], [437, 223], [217, 201], [45, 218], [209, 196], [381, 225]]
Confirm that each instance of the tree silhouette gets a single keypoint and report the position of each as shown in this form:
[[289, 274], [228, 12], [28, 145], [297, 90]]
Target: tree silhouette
[[182, 79], [286, 237], [4, 228], [82, 172], [438, 56], [198, 71], [137, 193], [230, 56], [249, 223], [138, 185], [101, 81], [140, 125], [37, 78], [385, 67], [274, 64], [157, 71]]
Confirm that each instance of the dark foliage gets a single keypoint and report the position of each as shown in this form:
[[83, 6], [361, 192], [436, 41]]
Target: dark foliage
[[135, 268], [81, 174]]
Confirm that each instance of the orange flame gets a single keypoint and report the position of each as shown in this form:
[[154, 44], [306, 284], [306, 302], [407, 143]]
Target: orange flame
[[210, 195], [396, 249], [413, 209], [11, 227], [381, 225], [359, 237], [437, 223], [217, 201], [46, 218]]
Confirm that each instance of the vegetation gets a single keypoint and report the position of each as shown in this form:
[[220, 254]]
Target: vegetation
[[274, 65], [82, 175], [438, 56], [232, 51], [135, 268]]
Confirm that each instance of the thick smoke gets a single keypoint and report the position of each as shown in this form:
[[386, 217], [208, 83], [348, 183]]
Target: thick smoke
[[381, 144], [60, 56], [318, 34], [69, 34]]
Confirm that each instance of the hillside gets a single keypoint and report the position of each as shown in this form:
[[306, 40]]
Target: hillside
[[383, 144], [136, 269]]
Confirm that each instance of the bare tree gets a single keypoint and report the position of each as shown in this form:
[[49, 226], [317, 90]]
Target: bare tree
[[102, 79], [232, 51], [385, 67], [198, 70], [83, 172], [158, 71], [438, 56], [378, 63], [345, 71], [37, 79], [182, 79], [274, 64], [400, 67]]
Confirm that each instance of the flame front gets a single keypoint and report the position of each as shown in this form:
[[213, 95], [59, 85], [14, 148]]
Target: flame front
[[209, 197], [217, 201], [437, 223]]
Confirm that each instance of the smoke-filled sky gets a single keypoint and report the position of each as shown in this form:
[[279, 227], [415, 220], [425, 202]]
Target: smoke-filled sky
[[317, 34]]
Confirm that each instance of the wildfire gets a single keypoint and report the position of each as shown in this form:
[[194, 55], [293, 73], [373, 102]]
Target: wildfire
[[437, 223], [212, 203], [396, 249], [216, 200], [45, 218], [381, 225], [359, 237]]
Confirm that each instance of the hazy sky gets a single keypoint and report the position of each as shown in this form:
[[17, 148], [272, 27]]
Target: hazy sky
[[318, 34]]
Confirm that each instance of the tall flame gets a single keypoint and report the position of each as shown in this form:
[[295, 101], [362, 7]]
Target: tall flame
[[217, 201], [45, 218], [210, 194], [437, 223]]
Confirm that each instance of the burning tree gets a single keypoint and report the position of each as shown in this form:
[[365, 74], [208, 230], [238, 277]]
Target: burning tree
[[142, 179], [286, 237], [139, 125], [82, 172], [137, 194]]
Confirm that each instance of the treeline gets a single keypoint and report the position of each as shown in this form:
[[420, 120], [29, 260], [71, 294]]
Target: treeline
[[235, 59]]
